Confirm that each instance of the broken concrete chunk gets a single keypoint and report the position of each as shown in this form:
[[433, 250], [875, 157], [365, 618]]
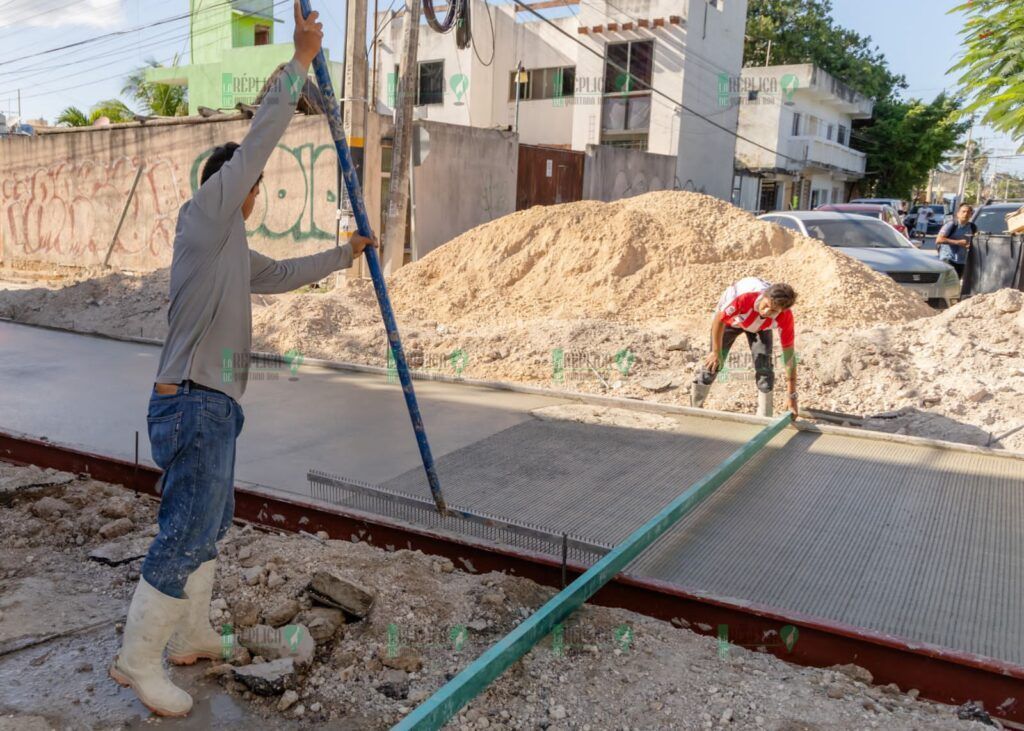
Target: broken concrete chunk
[[657, 384], [50, 508], [289, 699], [274, 580], [292, 641], [252, 575], [115, 553], [281, 613], [854, 672], [334, 591], [116, 528], [268, 678], [323, 622], [406, 659], [114, 508], [245, 613]]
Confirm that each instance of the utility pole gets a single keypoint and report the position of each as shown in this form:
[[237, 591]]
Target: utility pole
[[393, 254], [960, 189], [354, 102]]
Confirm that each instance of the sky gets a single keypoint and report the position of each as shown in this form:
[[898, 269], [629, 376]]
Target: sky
[[919, 40]]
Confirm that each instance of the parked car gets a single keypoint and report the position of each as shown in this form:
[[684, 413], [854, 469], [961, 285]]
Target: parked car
[[876, 210], [897, 204], [939, 216], [878, 245], [991, 217]]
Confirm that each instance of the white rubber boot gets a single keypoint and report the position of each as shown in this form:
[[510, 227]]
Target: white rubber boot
[[194, 639], [764, 403], [152, 618], [698, 394]]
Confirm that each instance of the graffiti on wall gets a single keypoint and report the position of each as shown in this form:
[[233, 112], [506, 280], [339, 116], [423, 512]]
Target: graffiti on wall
[[68, 211], [298, 196]]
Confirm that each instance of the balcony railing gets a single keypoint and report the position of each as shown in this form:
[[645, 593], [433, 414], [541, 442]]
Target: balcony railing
[[809, 151]]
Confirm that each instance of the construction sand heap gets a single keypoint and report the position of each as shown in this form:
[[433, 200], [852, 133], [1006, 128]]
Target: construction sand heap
[[667, 254]]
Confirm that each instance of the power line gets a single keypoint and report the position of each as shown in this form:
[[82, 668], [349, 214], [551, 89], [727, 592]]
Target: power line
[[111, 34], [660, 93], [130, 51]]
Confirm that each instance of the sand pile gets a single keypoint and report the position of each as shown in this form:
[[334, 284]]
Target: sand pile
[[668, 254], [958, 375], [615, 299]]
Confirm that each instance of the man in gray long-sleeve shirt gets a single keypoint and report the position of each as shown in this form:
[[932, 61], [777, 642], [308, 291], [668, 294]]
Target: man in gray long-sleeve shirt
[[194, 417]]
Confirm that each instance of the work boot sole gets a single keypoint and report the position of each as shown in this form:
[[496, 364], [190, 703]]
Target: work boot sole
[[125, 682]]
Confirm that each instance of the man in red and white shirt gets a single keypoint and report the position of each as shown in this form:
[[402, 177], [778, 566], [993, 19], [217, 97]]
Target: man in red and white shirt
[[756, 308]]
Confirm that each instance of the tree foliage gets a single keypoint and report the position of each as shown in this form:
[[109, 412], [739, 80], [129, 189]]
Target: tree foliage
[[906, 140], [72, 117], [802, 31], [162, 100], [992, 65], [113, 109]]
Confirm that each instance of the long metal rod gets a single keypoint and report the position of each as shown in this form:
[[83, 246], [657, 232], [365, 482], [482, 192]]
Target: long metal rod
[[446, 702], [124, 212], [355, 195]]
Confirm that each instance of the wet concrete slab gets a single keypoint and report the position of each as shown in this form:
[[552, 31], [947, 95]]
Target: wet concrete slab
[[92, 393]]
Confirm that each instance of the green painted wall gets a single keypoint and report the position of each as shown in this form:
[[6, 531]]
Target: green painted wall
[[226, 68]]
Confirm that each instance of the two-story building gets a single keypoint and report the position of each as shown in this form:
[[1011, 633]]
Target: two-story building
[[641, 74], [231, 53], [795, 127]]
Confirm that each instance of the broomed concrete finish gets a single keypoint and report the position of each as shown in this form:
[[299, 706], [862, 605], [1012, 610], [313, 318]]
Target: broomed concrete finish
[[92, 393], [919, 542]]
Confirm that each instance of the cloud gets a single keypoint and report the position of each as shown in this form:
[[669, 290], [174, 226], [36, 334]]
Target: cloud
[[92, 13]]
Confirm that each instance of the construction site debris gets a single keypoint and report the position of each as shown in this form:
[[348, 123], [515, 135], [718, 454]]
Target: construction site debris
[[266, 678], [607, 668], [335, 591]]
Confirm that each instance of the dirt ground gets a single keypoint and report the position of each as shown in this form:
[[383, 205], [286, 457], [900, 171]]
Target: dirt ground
[[61, 614]]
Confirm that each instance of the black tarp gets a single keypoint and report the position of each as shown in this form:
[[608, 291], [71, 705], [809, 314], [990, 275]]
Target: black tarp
[[994, 262]]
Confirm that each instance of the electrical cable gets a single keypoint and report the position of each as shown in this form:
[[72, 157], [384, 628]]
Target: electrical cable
[[130, 51], [494, 41]]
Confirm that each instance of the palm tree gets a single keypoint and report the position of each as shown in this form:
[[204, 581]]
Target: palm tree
[[162, 100], [73, 117], [113, 109]]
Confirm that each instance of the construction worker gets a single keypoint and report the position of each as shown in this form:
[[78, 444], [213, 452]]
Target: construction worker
[[194, 417], [754, 307]]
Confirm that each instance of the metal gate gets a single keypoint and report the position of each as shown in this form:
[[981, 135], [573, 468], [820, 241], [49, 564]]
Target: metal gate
[[548, 175]]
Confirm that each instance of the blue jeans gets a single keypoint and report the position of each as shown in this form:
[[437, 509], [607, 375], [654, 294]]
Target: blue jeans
[[192, 434]]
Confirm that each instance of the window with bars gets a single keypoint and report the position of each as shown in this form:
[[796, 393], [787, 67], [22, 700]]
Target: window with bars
[[841, 135], [430, 89]]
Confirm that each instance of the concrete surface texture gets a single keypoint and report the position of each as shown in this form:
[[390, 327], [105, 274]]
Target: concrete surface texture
[[918, 542], [347, 421]]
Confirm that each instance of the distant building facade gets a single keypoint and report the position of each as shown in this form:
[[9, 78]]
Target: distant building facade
[[572, 91], [794, 151]]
